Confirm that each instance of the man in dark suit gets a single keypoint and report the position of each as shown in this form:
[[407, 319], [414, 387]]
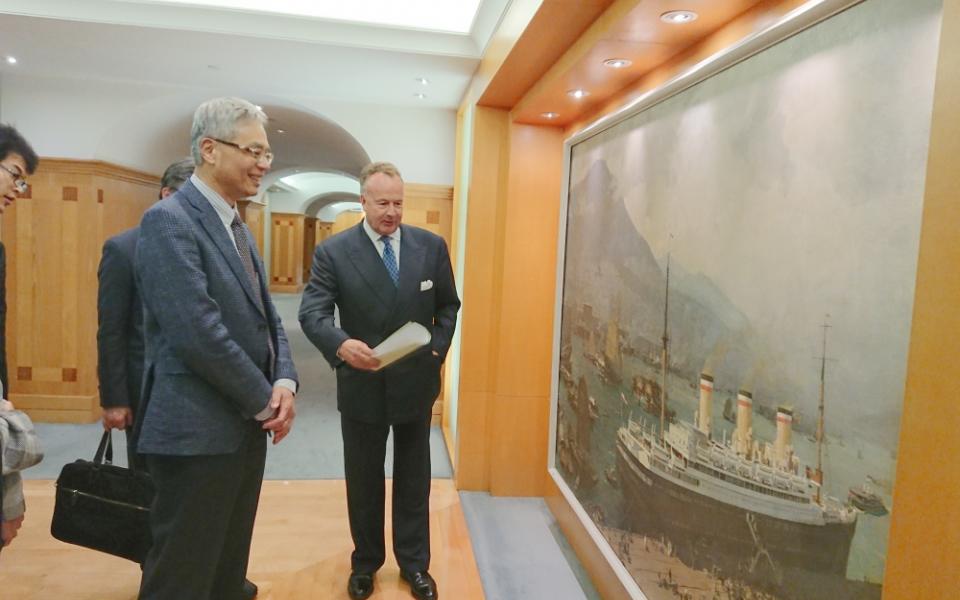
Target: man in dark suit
[[120, 323], [380, 275], [218, 373]]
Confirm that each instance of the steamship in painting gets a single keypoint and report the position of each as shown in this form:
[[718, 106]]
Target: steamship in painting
[[746, 507]]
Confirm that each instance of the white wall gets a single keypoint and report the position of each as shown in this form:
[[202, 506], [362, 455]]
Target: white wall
[[420, 141], [146, 126]]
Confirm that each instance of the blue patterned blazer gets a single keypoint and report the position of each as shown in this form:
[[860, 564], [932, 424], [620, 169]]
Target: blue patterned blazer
[[207, 369]]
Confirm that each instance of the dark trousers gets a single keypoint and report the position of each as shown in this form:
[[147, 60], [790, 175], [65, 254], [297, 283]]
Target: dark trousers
[[202, 522], [364, 451]]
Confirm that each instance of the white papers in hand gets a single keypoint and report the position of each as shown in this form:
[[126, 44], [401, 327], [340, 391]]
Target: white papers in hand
[[401, 342]]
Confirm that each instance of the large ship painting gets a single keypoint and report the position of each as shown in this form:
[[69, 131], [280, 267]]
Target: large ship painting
[[745, 507]]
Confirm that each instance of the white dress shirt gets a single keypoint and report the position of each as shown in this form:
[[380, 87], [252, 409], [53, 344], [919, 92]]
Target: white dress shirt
[[378, 243], [227, 214]]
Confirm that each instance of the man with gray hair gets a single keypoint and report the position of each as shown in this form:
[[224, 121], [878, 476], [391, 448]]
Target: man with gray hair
[[218, 376]]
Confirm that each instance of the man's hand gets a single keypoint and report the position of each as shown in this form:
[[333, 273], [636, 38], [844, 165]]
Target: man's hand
[[358, 355], [118, 417], [282, 403], [8, 530], [6, 405]]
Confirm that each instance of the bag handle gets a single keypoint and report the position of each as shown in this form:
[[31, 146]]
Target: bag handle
[[105, 448]]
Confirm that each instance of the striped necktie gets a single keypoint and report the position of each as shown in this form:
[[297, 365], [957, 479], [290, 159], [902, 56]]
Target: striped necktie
[[390, 259]]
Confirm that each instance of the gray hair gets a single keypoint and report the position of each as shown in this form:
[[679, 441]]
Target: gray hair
[[388, 169], [218, 118], [177, 174]]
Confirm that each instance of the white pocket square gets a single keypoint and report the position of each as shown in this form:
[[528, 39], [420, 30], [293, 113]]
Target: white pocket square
[[426, 285]]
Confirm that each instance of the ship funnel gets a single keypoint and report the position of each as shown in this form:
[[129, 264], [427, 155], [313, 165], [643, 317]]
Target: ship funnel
[[705, 416], [744, 432], [783, 451]]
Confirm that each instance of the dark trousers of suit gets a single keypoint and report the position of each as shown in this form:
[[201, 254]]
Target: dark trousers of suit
[[202, 522], [364, 452]]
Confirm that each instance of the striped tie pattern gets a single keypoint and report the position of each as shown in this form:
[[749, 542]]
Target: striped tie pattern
[[390, 259], [242, 241]]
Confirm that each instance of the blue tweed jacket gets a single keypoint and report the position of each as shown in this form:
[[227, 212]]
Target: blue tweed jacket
[[207, 370]]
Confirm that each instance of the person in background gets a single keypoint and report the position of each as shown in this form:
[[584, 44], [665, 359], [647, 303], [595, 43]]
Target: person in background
[[120, 323], [17, 160]]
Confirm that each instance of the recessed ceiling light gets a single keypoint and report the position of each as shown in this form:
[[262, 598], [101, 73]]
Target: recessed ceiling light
[[578, 93], [281, 131], [12, 60], [420, 95], [422, 80], [618, 63], [549, 115], [678, 16]]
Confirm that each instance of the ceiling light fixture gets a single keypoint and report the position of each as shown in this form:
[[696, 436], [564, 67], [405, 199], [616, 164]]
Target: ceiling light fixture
[[678, 17], [618, 63], [422, 80], [578, 93], [549, 115], [420, 95], [281, 131], [12, 60]]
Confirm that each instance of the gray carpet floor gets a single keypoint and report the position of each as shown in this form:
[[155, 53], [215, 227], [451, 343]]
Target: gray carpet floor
[[520, 551]]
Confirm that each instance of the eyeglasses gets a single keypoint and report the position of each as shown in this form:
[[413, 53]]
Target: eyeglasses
[[255, 152], [18, 181]]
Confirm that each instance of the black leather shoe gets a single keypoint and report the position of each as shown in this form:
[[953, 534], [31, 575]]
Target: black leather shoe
[[249, 590], [360, 586], [422, 586]]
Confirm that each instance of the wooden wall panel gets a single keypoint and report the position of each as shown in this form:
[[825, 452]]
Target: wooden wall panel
[[309, 244], [923, 560], [54, 241], [252, 214], [482, 285], [520, 410], [345, 220], [429, 207], [324, 230], [286, 253]]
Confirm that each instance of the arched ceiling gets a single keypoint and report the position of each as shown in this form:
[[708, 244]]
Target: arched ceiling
[[157, 132], [320, 202]]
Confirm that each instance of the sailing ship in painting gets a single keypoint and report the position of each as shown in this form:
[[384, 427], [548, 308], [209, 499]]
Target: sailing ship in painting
[[867, 500], [747, 507], [573, 443], [609, 363]]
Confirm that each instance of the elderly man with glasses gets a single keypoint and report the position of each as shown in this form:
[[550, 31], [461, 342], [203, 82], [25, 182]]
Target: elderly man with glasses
[[218, 375]]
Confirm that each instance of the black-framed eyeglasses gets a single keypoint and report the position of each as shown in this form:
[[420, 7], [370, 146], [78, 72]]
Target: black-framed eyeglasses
[[18, 181], [255, 152]]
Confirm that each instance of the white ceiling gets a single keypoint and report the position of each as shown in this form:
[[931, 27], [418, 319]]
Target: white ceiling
[[433, 15], [175, 44]]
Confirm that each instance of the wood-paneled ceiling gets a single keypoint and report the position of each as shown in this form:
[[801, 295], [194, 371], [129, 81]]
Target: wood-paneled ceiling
[[567, 42]]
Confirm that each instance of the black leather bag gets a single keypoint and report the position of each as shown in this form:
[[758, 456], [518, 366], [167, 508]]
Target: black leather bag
[[103, 506]]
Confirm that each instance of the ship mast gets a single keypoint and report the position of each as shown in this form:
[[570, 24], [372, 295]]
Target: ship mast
[[820, 428], [664, 355]]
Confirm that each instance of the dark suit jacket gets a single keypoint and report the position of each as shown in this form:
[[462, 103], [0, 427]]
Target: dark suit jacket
[[348, 272], [120, 323], [208, 370]]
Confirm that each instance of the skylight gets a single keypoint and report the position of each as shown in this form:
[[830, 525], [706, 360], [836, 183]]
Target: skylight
[[437, 15]]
